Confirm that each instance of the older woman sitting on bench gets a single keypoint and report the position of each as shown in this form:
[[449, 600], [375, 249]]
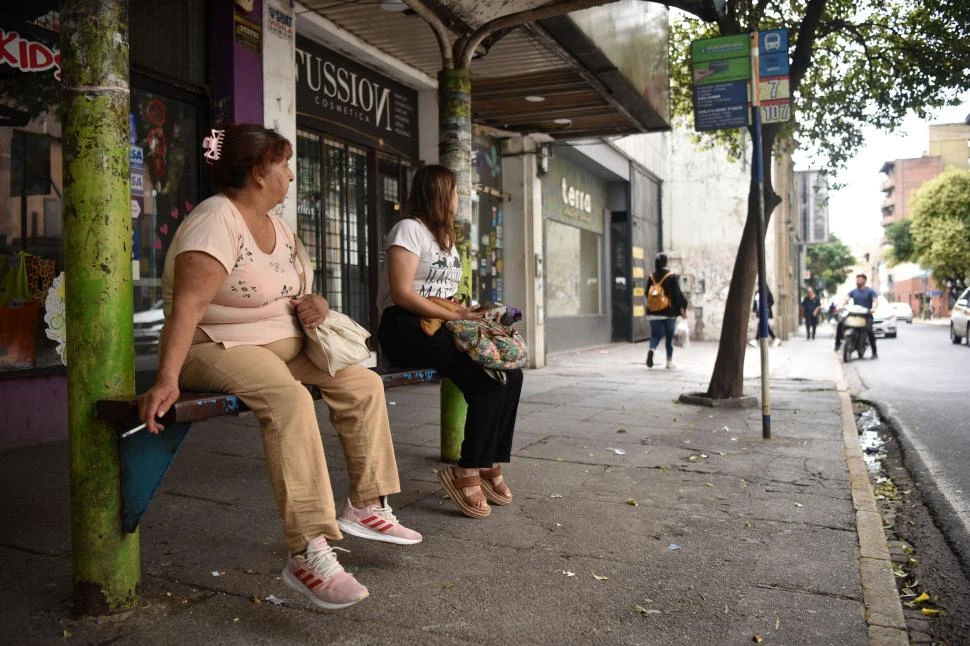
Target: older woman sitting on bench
[[233, 325]]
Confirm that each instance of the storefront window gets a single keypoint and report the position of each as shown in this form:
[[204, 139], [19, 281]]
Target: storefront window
[[333, 217], [164, 188], [573, 265], [487, 220]]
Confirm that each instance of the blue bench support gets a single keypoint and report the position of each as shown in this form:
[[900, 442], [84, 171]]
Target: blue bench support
[[146, 458]]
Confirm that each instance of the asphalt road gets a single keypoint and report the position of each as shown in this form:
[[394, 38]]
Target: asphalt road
[[924, 380]]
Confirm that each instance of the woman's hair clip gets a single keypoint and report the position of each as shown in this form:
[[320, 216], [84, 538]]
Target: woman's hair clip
[[213, 145]]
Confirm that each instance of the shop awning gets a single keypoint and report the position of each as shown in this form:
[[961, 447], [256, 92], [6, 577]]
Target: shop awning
[[597, 72]]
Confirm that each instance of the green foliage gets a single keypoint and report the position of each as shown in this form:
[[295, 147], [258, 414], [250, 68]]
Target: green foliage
[[861, 63], [831, 261], [941, 225], [901, 239]]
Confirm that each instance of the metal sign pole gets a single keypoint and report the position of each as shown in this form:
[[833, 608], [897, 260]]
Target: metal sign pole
[[762, 279]]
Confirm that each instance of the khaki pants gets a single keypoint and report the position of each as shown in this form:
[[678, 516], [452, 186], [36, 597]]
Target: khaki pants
[[269, 380]]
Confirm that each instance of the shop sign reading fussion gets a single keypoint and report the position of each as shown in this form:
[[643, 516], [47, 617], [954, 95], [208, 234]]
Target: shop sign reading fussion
[[346, 91], [371, 108]]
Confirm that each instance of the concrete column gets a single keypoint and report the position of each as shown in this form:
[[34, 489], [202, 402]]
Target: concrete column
[[100, 338]]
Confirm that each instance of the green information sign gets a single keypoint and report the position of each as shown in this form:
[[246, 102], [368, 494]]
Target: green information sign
[[716, 49]]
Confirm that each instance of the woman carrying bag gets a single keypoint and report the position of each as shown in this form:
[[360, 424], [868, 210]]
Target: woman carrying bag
[[665, 302], [237, 299], [423, 266]]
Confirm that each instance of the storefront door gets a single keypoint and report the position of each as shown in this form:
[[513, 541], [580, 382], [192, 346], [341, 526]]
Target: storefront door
[[337, 209]]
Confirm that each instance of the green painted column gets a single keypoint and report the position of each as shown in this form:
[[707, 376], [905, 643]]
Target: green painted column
[[97, 243], [455, 152]]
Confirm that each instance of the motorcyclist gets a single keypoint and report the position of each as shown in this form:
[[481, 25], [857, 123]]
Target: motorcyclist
[[868, 298]]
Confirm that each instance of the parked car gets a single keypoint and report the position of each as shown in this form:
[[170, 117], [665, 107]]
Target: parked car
[[884, 321], [148, 328], [960, 319], [903, 312]]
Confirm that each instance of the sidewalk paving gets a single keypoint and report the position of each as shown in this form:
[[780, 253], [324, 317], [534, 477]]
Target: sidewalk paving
[[731, 536]]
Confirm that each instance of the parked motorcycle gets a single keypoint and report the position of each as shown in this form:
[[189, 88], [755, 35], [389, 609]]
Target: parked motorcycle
[[855, 338]]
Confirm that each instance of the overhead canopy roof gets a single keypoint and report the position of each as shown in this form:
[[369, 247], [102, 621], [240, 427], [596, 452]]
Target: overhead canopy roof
[[574, 87]]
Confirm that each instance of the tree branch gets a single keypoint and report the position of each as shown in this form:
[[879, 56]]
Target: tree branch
[[807, 34], [703, 9]]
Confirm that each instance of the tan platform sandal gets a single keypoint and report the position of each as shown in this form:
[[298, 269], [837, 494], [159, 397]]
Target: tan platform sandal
[[491, 493], [453, 486]]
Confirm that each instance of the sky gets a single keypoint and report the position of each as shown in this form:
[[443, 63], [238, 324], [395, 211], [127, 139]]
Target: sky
[[854, 210]]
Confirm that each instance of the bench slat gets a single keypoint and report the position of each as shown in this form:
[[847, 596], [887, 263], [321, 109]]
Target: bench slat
[[197, 407]]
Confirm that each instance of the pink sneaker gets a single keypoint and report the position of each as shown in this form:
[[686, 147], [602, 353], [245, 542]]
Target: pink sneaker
[[320, 578], [376, 523]]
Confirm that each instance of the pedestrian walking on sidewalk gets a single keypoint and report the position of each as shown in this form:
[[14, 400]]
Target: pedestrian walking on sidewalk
[[665, 302], [812, 309], [233, 325], [771, 304], [422, 262]]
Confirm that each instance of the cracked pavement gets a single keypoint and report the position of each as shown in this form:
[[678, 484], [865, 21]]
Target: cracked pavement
[[764, 531]]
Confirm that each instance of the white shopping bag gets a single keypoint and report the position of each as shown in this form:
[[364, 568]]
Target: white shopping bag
[[682, 334]]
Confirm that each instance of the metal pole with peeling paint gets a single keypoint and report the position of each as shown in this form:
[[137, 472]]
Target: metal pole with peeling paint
[[455, 153], [100, 342]]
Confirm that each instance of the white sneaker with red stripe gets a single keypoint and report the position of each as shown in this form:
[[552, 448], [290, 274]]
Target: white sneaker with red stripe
[[376, 523], [318, 576]]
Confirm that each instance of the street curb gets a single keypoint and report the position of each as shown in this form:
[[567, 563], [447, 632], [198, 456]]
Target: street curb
[[883, 609]]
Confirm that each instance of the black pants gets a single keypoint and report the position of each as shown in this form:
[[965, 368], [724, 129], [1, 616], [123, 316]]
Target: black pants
[[811, 323], [870, 332], [490, 421]]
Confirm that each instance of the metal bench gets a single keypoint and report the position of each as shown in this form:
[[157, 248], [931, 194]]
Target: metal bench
[[146, 458]]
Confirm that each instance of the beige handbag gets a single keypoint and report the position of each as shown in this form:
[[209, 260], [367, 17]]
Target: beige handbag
[[339, 341]]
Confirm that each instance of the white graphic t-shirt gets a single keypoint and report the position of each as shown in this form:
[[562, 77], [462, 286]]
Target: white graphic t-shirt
[[438, 273]]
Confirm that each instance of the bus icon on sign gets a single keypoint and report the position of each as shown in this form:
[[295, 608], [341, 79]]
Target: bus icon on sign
[[772, 42]]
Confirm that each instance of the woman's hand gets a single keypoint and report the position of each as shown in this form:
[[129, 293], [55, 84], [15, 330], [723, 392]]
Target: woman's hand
[[466, 314], [312, 309], [156, 402]]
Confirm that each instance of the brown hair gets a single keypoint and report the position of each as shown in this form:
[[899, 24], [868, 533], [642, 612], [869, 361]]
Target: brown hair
[[246, 147], [430, 202]]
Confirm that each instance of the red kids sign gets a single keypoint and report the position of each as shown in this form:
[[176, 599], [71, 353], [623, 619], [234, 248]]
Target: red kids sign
[[28, 55]]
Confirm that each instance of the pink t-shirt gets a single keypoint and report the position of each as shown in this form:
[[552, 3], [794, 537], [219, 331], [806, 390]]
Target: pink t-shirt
[[253, 306]]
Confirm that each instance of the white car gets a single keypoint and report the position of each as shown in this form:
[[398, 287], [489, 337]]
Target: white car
[[903, 312], [884, 321], [148, 327], [960, 318]]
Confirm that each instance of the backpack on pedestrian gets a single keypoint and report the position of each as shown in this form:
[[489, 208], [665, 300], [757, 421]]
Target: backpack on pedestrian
[[657, 299]]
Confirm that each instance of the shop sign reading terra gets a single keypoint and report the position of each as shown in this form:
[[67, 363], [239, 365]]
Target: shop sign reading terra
[[373, 108]]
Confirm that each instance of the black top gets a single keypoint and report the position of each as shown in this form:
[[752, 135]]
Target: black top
[[771, 304], [809, 305], [671, 287]]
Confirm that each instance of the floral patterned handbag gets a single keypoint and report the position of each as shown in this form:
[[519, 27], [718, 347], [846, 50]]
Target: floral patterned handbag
[[489, 344]]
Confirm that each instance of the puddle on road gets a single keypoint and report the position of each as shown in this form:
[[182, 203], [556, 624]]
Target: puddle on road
[[873, 443]]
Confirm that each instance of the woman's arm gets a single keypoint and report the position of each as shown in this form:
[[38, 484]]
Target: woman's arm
[[401, 266], [198, 277]]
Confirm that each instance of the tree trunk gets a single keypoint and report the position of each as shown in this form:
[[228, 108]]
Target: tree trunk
[[727, 380], [100, 341]]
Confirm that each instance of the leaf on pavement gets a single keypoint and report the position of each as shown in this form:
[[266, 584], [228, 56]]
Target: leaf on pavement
[[798, 504], [757, 638], [931, 612], [632, 502], [600, 577], [923, 598]]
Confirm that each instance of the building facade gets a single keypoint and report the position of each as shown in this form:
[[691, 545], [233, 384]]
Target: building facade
[[903, 178], [354, 86]]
